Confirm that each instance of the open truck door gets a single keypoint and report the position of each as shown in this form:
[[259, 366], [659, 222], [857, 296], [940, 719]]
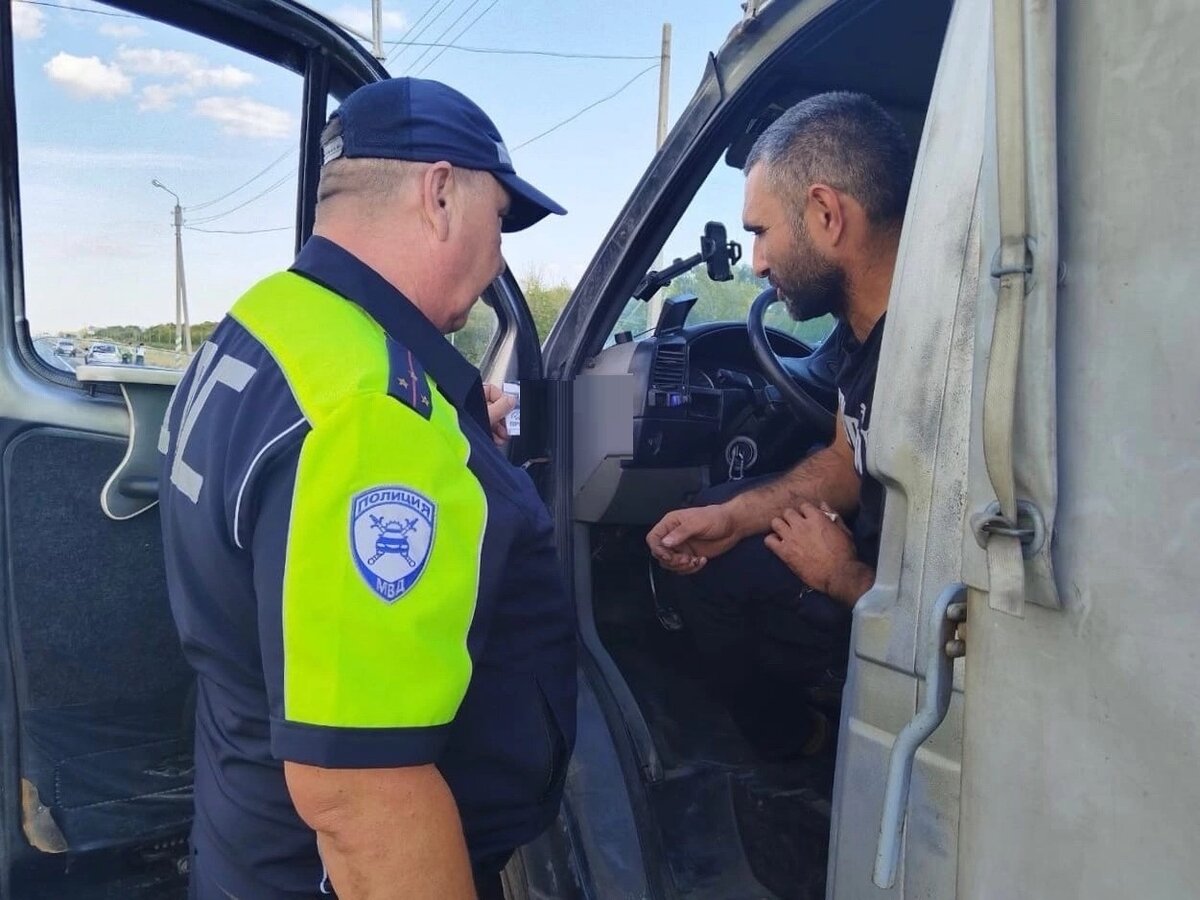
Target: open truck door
[[96, 701], [1080, 729]]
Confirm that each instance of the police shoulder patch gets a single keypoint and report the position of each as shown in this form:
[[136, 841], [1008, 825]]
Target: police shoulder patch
[[391, 537]]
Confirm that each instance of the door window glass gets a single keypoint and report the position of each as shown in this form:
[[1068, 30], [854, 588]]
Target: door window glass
[[474, 338], [155, 167]]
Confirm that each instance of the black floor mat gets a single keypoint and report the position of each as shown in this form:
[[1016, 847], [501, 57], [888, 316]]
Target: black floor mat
[[689, 728], [105, 876], [780, 835], [733, 826], [113, 773]]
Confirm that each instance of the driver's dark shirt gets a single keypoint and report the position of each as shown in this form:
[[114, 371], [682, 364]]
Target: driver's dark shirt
[[856, 385]]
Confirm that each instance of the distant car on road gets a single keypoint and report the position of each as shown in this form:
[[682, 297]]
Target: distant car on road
[[103, 354], [64, 347]]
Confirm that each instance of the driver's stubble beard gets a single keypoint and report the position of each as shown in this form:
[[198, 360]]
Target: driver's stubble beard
[[811, 285]]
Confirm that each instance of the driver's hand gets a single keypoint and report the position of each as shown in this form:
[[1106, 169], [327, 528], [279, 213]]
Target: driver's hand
[[685, 539]]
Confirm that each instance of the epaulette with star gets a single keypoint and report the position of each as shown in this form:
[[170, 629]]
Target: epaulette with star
[[407, 381]]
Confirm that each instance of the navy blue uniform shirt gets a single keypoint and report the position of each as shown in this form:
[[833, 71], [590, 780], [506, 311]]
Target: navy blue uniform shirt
[[359, 577]]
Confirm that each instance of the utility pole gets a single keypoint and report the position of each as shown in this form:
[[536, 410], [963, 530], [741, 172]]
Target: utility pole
[[183, 325], [664, 84], [377, 28], [654, 307], [375, 39]]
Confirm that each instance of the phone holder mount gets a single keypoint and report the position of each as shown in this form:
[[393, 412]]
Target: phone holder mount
[[717, 253]]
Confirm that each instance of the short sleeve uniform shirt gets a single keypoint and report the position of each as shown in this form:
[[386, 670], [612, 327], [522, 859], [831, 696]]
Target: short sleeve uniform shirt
[[359, 577]]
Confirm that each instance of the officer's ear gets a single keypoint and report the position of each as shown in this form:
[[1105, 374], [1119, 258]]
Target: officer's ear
[[436, 195]]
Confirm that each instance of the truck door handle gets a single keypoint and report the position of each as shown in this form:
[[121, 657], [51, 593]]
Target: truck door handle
[[941, 649]]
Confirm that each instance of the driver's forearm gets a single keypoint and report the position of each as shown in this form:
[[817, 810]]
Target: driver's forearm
[[826, 476], [850, 582]]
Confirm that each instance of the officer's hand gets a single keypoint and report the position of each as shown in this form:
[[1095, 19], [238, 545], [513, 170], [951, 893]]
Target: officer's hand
[[684, 540], [499, 405]]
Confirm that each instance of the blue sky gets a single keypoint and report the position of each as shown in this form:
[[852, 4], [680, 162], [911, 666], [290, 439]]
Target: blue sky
[[106, 103]]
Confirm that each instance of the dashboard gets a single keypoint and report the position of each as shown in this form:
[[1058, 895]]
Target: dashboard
[[657, 420]]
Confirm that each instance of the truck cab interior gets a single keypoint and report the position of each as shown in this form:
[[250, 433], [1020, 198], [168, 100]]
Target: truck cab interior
[[693, 403], [95, 698]]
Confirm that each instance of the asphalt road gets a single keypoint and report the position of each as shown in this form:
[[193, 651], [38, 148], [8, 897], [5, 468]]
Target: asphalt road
[[45, 349], [44, 346]]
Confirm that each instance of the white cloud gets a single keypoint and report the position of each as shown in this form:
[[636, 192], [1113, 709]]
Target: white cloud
[[242, 116], [359, 18], [193, 70], [121, 32], [64, 158], [28, 22], [151, 61], [87, 77], [158, 97], [221, 78]]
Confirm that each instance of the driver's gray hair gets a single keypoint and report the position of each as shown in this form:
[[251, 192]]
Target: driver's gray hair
[[844, 140]]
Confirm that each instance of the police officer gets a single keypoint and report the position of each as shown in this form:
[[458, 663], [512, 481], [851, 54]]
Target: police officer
[[366, 588]]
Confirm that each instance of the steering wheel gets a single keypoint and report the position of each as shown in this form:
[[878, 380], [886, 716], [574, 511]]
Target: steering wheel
[[810, 411]]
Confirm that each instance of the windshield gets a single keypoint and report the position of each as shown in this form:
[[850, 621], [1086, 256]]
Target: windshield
[[719, 198], [722, 301]]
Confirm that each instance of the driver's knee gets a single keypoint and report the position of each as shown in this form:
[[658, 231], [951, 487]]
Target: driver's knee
[[738, 581]]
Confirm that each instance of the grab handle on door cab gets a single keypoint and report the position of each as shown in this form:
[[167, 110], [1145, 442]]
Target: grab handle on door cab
[[133, 486], [941, 648]]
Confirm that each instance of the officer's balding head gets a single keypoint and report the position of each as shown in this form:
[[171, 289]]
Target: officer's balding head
[[401, 121], [417, 183]]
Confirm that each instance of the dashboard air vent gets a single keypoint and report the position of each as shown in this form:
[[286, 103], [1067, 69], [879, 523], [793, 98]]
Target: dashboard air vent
[[670, 366]]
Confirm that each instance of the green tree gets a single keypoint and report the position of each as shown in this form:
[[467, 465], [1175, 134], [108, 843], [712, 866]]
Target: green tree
[[545, 301], [473, 338], [201, 332], [730, 301], [719, 301], [160, 336]]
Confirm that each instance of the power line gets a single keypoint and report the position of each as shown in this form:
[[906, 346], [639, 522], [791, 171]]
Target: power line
[[462, 15], [94, 12], [457, 37], [505, 51], [247, 183], [570, 119], [226, 231], [537, 137], [399, 44], [399, 50], [404, 36], [288, 177]]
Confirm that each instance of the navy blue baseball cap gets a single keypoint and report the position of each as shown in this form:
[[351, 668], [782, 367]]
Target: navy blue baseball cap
[[418, 120]]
